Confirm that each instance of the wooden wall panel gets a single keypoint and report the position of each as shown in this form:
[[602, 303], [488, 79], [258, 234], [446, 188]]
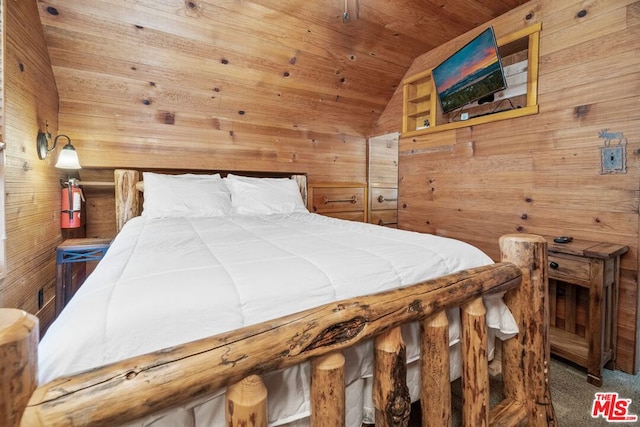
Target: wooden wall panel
[[31, 186], [100, 210], [105, 142], [383, 160], [224, 145], [541, 173]]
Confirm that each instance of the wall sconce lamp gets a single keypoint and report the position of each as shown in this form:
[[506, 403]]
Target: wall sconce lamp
[[68, 157]]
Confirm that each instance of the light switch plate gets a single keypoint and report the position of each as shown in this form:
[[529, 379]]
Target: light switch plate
[[613, 159]]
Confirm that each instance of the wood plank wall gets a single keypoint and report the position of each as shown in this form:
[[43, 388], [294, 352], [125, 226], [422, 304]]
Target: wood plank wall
[[219, 145], [114, 133], [32, 186], [121, 113], [541, 174], [325, 158]]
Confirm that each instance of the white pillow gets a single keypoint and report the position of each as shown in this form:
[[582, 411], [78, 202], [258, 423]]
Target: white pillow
[[185, 195], [259, 196]]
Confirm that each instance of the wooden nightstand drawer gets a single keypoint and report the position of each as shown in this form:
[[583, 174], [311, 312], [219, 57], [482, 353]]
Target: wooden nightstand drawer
[[351, 216], [384, 198], [570, 268], [338, 199], [387, 218]]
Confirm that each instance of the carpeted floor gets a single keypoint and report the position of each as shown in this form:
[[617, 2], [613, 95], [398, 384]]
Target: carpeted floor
[[571, 393], [573, 396]]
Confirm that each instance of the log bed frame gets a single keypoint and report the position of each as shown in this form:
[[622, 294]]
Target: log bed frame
[[136, 387]]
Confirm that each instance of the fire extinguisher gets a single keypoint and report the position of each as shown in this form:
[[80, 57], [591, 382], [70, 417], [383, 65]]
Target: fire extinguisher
[[72, 199]]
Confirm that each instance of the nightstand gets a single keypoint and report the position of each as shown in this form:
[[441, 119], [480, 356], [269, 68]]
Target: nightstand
[[74, 251], [583, 288]]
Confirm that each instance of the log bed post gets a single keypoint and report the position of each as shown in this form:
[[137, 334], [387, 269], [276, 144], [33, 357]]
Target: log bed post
[[246, 403], [435, 395], [475, 364], [390, 392], [127, 197], [18, 363], [525, 358], [327, 390]]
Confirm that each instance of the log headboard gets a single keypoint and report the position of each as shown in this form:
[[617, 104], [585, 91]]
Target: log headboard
[[129, 188]]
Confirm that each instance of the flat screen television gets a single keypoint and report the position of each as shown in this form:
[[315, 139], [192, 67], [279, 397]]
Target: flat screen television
[[472, 73]]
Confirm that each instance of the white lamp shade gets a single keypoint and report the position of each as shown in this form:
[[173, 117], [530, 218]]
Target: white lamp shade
[[68, 158]]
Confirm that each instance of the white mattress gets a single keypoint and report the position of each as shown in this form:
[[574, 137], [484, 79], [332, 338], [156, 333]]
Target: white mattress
[[172, 280]]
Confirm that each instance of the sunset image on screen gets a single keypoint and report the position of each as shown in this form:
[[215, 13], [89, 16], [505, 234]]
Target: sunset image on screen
[[471, 73]]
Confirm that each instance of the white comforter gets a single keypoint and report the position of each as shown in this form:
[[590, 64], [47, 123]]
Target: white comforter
[[167, 281]]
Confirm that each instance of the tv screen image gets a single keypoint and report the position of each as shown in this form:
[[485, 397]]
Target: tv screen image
[[472, 73]]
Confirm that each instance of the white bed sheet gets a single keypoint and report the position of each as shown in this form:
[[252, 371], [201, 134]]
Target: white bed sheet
[[168, 281]]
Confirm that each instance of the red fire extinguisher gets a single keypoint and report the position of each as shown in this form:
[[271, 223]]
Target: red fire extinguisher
[[72, 198]]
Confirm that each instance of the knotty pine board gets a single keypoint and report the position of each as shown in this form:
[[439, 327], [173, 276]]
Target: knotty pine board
[[32, 189]]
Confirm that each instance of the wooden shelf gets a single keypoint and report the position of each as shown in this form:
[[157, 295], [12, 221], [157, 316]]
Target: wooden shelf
[[511, 114], [421, 98], [569, 346], [421, 111]]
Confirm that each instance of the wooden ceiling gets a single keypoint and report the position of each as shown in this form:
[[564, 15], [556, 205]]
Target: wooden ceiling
[[292, 64]]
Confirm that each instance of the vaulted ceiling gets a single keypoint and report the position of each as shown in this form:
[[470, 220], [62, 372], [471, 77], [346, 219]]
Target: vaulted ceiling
[[320, 65]]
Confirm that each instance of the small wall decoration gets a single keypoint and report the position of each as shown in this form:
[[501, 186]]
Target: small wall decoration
[[613, 157]]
